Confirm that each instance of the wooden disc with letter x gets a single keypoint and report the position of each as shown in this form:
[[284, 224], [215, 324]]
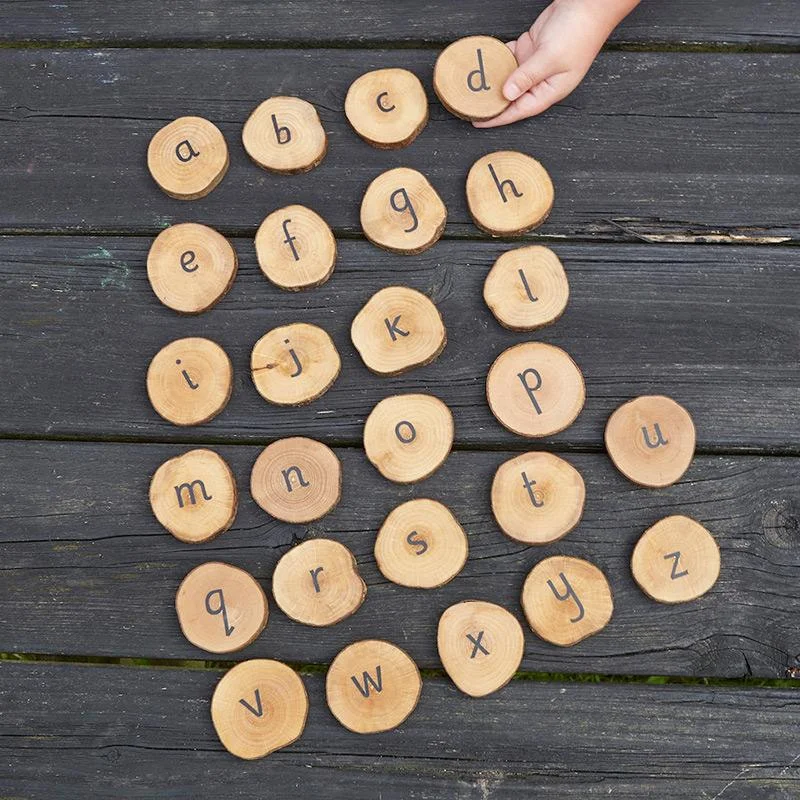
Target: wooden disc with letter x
[[372, 686]]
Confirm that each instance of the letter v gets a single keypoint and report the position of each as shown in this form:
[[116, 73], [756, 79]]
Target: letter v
[[258, 711]]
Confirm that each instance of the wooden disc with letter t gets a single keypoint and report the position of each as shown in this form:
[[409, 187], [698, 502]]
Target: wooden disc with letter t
[[372, 686]]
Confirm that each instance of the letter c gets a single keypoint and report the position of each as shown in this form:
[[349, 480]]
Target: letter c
[[381, 106]]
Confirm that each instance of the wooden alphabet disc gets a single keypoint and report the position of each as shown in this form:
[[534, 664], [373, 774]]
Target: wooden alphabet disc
[[297, 480], [469, 75], [372, 686], [535, 389], [537, 497], [188, 157], [398, 329], [284, 134], [651, 440], [387, 107], [259, 706], [676, 560], [221, 608], [189, 381], [480, 645], [421, 545], [527, 288], [407, 437], [566, 599], [294, 364], [194, 496], [508, 193], [317, 583], [402, 212]]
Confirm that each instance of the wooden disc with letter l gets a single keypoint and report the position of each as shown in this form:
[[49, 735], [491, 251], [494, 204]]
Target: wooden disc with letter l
[[194, 496], [676, 560], [284, 134], [398, 329], [188, 157], [566, 600], [294, 364], [372, 686], [537, 497], [189, 381], [402, 212], [297, 480], [651, 440], [469, 75], [421, 545], [221, 608], [480, 645], [508, 193], [535, 389], [317, 583], [258, 707]]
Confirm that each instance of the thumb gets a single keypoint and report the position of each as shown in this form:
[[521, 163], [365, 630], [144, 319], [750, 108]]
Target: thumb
[[529, 73]]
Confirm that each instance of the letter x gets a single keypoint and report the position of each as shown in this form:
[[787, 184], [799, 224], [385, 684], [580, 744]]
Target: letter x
[[477, 644]]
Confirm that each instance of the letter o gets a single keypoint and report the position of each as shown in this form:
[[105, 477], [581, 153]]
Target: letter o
[[398, 431]]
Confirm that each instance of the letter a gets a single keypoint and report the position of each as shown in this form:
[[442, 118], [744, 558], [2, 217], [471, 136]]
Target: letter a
[[188, 151]]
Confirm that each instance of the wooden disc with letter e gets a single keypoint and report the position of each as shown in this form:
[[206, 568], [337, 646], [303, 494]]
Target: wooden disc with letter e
[[372, 686], [189, 381], [535, 389], [508, 193], [221, 608], [676, 560], [259, 706], [421, 545], [188, 157], [566, 600]]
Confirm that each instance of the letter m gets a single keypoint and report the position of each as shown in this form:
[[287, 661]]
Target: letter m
[[189, 488], [377, 685]]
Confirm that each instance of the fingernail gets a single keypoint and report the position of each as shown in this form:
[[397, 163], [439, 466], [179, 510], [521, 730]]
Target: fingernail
[[511, 91]]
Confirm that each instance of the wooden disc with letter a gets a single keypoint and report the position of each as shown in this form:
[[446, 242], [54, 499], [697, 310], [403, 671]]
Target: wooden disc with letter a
[[259, 706], [372, 686]]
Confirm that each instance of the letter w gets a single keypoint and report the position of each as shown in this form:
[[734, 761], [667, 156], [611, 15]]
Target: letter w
[[367, 678]]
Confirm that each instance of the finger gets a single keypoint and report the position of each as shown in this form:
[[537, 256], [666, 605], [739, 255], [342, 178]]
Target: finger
[[512, 46], [529, 105], [530, 72], [524, 48]]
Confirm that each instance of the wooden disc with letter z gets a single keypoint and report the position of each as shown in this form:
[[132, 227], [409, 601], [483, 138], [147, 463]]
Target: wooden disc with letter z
[[372, 686]]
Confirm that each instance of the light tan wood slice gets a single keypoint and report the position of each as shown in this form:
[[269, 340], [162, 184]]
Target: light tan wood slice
[[508, 193], [566, 600], [372, 686], [651, 440], [294, 364], [402, 212], [189, 381], [480, 645], [284, 134], [535, 389], [469, 75], [421, 545], [194, 496], [297, 480], [188, 157], [259, 706], [676, 560], [317, 583], [398, 329], [221, 608]]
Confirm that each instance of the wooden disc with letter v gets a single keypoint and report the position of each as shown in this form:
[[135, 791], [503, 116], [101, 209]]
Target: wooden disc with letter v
[[566, 600], [189, 381], [284, 134], [402, 212], [676, 560], [317, 583], [194, 496], [535, 389], [294, 364], [469, 75], [398, 329], [372, 686], [480, 645], [188, 157], [221, 608], [297, 480], [508, 193], [651, 440], [421, 545], [258, 707]]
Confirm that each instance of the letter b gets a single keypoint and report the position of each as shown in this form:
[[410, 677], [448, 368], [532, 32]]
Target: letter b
[[282, 133]]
